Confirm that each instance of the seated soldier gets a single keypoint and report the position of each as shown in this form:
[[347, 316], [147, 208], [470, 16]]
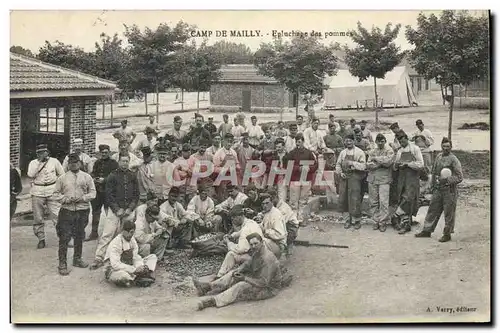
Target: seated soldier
[[291, 221], [182, 234], [153, 230], [273, 226], [252, 205], [221, 220], [203, 206], [126, 267], [256, 279], [237, 252], [151, 200]]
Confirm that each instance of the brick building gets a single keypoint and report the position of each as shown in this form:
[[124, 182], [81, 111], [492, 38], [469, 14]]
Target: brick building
[[52, 105], [242, 88]]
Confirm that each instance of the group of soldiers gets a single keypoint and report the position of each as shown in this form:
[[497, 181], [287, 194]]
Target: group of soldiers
[[162, 192]]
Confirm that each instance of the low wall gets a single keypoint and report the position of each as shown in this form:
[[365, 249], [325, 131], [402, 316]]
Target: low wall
[[236, 109], [472, 102]]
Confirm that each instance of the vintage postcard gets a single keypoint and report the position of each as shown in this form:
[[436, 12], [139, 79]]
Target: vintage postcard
[[250, 166]]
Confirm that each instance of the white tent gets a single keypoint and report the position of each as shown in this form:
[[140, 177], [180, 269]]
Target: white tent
[[345, 90]]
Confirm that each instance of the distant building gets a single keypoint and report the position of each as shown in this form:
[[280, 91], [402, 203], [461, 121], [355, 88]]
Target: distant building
[[242, 88], [52, 105]]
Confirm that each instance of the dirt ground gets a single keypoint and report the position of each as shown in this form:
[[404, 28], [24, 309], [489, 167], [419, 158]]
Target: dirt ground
[[381, 277]]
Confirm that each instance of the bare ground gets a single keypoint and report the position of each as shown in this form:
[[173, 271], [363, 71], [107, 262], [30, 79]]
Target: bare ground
[[381, 277]]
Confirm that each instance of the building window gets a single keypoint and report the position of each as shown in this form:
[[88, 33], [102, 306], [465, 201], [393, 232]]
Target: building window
[[51, 120]]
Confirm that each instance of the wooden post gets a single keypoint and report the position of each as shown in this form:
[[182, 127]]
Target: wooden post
[[182, 99], [297, 106], [450, 116], [111, 111], [157, 103], [103, 106]]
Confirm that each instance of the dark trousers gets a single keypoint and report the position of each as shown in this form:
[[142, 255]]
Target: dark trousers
[[291, 230], [443, 201], [71, 224], [97, 204], [13, 206]]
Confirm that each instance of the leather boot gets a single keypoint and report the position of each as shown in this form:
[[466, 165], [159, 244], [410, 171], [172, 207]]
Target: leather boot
[[93, 236], [205, 303], [77, 262], [41, 244], [63, 268], [423, 234], [445, 238]]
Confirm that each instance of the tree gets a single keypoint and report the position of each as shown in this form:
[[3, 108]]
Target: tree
[[375, 55], [232, 53], [68, 56], [111, 59], [21, 50], [197, 68], [152, 53], [452, 49], [299, 65]]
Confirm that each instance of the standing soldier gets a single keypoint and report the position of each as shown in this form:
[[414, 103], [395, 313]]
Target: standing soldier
[[85, 159], [424, 140], [351, 166], [44, 172], [444, 192], [379, 164], [100, 172], [210, 127], [177, 133], [255, 133], [125, 133], [75, 189], [300, 189], [365, 131], [225, 127], [122, 197], [408, 162]]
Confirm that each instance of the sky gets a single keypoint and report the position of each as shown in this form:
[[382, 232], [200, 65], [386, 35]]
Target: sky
[[31, 29]]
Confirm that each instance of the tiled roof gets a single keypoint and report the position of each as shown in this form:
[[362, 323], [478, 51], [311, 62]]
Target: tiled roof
[[28, 74], [243, 73]]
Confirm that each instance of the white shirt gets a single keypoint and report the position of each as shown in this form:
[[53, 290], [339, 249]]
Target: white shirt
[[48, 175], [274, 226], [134, 164], [237, 131], [86, 161], [290, 143], [417, 154], [359, 162], [230, 202], [288, 213], [247, 228], [255, 133], [425, 143], [204, 209], [115, 250], [313, 139]]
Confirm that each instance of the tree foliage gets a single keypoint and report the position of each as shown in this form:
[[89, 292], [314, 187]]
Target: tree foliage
[[376, 53], [68, 56], [111, 59], [232, 53], [452, 49], [152, 54], [21, 50], [197, 67], [300, 65]]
